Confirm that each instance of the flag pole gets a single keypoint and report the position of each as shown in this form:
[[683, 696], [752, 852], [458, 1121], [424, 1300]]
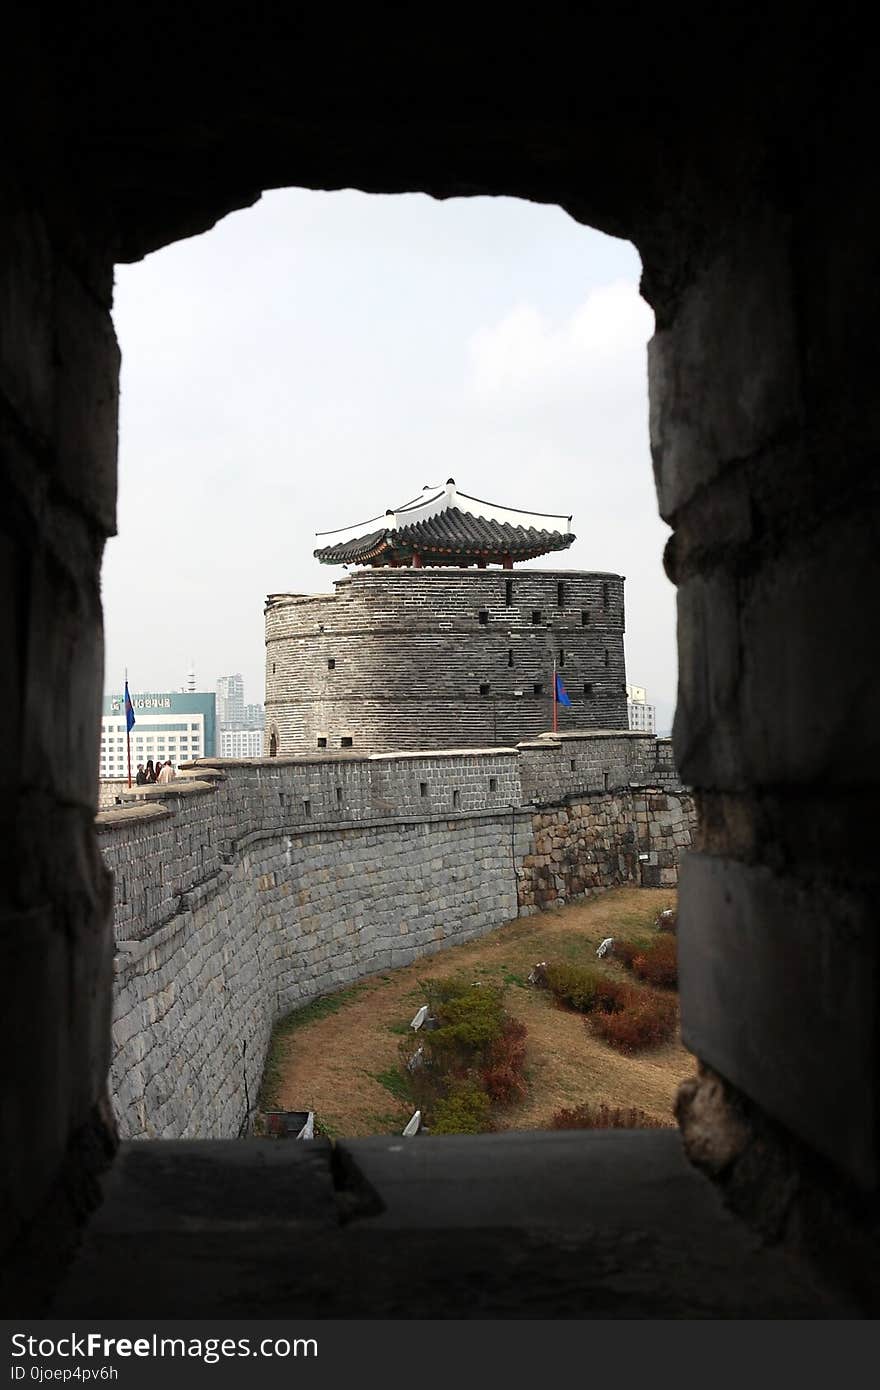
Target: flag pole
[[127, 730], [554, 696]]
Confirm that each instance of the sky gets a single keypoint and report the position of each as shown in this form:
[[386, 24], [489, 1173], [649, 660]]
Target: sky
[[320, 357]]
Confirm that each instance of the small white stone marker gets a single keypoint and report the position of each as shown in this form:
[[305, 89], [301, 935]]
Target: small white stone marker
[[308, 1129], [416, 1060], [414, 1125], [605, 946], [419, 1018]]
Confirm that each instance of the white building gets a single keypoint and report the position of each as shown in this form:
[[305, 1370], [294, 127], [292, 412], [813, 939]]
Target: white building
[[641, 716], [241, 743], [230, 701], [170, 724]]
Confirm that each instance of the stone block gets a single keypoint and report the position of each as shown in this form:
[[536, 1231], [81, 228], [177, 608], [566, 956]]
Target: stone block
[[86, 401], [27, 376], [799, 963], [706, 730], [725, 375], [807, 680]]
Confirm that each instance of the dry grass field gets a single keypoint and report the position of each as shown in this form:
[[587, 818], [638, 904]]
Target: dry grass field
[[340, 1055]]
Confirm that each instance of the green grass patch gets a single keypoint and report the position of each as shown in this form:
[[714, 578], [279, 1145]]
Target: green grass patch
[[322, 1007], [394, 1081], [511, 978]]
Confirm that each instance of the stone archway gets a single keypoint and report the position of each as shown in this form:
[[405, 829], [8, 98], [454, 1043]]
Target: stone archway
[[739, 171]]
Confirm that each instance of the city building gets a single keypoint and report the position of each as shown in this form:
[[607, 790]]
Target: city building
[[239, 726], [424, 645], [168, 724], [241, 743], [642, 717], [254, 716], [230, 702]]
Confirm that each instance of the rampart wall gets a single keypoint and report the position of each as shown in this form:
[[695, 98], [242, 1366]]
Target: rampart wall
[[248, 888], [462, 657], [110, 791]]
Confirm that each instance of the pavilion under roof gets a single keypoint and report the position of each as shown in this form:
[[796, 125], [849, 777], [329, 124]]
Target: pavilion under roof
[[446, 527]]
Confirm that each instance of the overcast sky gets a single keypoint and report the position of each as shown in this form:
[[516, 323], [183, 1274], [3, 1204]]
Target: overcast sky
[[322, 356]]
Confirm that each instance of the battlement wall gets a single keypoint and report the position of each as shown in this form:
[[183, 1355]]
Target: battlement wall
[[462, 657], [247, 888]]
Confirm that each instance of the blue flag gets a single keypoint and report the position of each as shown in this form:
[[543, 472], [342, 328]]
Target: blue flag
[[561, 692], [129, 712]]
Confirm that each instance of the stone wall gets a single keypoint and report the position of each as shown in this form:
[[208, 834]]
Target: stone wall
[[246, 889], [59, 365], [412, 660], [634, 835], [110, 791], [566, 764]]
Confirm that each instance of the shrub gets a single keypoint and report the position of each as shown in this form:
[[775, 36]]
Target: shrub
[[625, 951], [658, 962], [476, 1011], [611, 995], [588, 1116], [586, 990], [504, 1073], [437, 991], [465, 1110], [574, 985], [475, 1050], [474, 1019], [645, 1020], [470, 1018], [627, 1017], [426, 1082]]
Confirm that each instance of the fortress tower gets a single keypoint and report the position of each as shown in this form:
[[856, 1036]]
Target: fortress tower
[[425, 646]]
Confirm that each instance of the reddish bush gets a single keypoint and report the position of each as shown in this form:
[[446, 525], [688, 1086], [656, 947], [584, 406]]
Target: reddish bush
[[610, 995], [658, 963], [645, 1020], [589, 1116], [624, 951], [504, 1073]]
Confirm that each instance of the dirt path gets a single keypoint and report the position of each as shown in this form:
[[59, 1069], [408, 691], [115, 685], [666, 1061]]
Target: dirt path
[[346, 1065]]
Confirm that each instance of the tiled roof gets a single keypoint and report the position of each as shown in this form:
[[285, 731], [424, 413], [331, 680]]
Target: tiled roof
[[448, 534]]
